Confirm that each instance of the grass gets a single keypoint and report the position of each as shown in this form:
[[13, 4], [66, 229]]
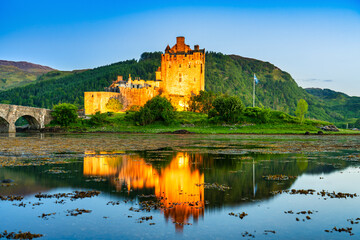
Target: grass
[[199, 123]]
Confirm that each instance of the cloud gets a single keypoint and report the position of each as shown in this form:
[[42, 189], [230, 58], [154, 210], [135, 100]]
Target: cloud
[[316, 80]]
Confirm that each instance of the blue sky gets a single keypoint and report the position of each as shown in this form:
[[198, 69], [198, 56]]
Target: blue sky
[[317, 42]]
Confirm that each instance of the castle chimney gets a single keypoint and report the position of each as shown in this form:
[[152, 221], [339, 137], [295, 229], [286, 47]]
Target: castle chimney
[[180, 40], [196, 47], [180, 44]]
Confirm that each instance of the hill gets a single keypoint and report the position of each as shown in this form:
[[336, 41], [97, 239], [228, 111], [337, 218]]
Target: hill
[[229, 74], [347, 106], [16, 74]]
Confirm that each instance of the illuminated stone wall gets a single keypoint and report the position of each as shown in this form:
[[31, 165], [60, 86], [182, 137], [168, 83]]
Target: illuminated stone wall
[[138, 97], [96, 101]]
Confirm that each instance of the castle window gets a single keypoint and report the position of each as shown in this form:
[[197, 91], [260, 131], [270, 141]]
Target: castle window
[[179, 65], [180, 77], [194, 79], [189, 65]]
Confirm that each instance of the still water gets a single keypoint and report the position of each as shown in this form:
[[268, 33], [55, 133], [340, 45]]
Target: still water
[[199, 187]]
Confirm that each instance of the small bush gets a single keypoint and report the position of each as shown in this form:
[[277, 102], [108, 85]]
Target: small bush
[[203, 102], [228, 109], [157, 109], [114, 105], [98, 119], [258, 115], [357, 123], [133, 108], [64, 114]]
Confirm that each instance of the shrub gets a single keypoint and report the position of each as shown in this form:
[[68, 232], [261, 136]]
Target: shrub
[[157, 109], [259, 115], [114, 105], [64, 113], [98, 119], [133, 108], [357, 123], [228, 109], [203, 102]]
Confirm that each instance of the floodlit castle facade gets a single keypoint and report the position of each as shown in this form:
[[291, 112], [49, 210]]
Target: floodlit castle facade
[[180, 76]]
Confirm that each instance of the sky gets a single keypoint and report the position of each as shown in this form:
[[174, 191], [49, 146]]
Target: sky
[[317, 42]]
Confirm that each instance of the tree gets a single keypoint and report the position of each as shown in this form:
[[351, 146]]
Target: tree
[[114, 105], [301, 110], [202, 102], [64, 113], [228, 109], [156, 109], [357, 123]]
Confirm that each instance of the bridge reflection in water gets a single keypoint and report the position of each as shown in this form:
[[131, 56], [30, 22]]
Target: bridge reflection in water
[[179, 185]]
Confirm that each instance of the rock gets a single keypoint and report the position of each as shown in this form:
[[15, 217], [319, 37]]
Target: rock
[[330, 128], [320, 133], [355, 129], [7, 181], [55, 129], [307, 133], [182, 131]]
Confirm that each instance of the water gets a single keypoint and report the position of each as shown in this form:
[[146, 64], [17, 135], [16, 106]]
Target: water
[[171, 187]]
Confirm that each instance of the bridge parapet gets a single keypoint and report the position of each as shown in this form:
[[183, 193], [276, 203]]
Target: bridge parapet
[[36, 117]]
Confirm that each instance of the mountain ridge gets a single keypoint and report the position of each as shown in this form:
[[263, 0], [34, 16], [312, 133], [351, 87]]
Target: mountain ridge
[[27, 66], [20, 73], [227, 74]]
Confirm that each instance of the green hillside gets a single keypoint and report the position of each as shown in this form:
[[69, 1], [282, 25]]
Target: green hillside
[[229, 74], [340, 103], [17, 74]]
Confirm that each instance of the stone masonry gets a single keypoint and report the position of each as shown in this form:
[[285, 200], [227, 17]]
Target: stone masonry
[[9, 114]]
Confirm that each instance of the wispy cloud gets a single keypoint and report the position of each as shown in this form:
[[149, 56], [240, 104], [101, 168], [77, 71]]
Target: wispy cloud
[[316, 80]]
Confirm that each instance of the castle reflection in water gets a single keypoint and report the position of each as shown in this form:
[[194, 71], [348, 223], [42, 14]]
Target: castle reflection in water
[[178, 185]]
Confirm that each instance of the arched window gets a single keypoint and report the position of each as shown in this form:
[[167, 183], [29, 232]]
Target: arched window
[[180, 77]]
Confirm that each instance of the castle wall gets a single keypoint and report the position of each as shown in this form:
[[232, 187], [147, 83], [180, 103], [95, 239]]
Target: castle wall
[[96, 101], [136, 96]]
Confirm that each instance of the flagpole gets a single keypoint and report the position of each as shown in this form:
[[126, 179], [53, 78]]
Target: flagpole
[[254, 178], [254, 91]]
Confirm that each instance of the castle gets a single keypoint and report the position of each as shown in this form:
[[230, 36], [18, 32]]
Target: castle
[[180, 76]]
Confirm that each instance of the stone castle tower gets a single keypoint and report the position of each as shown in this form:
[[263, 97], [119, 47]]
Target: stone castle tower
[[182, 71]]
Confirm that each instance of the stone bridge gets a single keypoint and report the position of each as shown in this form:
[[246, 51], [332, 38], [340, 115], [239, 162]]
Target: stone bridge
[[36, 117]]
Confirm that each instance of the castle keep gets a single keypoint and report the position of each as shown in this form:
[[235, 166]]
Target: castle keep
[[181, 75]]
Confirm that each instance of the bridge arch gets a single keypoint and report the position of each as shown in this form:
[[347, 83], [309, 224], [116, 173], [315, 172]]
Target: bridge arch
[[34, 123], [36, 117], [4, 125]]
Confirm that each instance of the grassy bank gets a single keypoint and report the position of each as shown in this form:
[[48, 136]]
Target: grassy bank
[[198, 123]]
